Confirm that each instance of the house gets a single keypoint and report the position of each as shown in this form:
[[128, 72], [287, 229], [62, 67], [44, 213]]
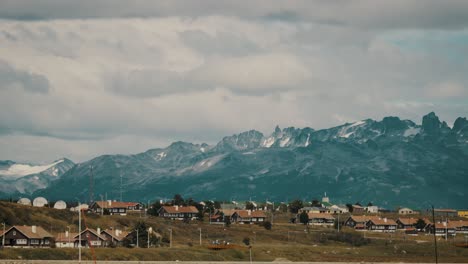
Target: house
[[461, 226], [344, 209], [178, 212], [357, 209], [335, 209], [381, 225], [65, 240], [114, 236], [88, 237], [114, 207], [443, 229], [446, 212], [321, 219], [406, 211], [248, 216], [406, 223], [26, 236], [358, 222], [463, 213], [316, 210], [373, 209]]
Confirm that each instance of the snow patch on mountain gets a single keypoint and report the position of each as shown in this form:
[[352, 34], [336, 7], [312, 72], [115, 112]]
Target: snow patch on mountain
[[284, 142], [20, 170], [349, 130], [268, 142], [160, 156], [411, 131]]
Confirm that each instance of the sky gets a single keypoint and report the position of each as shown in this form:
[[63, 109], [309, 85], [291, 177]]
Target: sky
[[84, 78]]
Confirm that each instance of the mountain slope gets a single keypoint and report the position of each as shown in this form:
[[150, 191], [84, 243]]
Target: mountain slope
[[390, 162], [27, 178]]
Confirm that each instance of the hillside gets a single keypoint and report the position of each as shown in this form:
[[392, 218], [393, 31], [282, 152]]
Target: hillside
[[391, 162]]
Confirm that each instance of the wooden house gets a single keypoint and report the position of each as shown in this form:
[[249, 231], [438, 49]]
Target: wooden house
[[178, 212], [26, 236], [248, 216], [381, 225], [115, 208], [321, 219]]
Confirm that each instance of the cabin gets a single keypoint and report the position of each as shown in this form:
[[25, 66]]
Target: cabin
[[115, 208], [248, 217], [381, 225], [65, 240], [114, 237], [358, 222], [357, 209], [406, 223], [178, 212], [314, 209], [321, 219], [443, 229], [461, 226], [26, 236]]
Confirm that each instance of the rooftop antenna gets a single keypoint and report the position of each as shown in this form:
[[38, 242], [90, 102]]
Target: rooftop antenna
[[91, 185]]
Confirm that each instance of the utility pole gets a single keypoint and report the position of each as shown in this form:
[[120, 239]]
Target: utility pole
[[170, 237], [3, 236], [79, 232], [138, 245], [148, 242], [435, 238], [91, 185], [200, 236], [338, 223]]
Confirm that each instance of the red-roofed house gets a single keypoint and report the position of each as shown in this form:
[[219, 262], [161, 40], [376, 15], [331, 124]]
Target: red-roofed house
[[178, 212], [114, 207], [248, 216], [321, 219], [381, 225], [358, 222], [26, 236]]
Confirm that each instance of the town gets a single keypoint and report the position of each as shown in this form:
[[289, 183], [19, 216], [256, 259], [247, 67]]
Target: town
[[318, 215]]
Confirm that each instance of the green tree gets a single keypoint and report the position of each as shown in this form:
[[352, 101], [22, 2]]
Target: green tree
[[304, 218], [316, 203], [154, 208], [420, 224], [295, 205]]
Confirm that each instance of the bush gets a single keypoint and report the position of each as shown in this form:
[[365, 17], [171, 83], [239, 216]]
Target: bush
[[267, 225], [246, 241], [356, 240]]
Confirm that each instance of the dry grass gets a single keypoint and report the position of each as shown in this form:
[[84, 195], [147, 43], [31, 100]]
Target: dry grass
[[285, 240]]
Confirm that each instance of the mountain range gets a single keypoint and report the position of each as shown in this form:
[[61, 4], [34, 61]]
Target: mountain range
[[390, 163]]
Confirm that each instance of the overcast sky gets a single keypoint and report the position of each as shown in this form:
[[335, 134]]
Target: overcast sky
[[84, 78]]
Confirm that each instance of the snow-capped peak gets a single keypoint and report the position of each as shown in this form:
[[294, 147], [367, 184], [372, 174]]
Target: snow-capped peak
[[20, 170]]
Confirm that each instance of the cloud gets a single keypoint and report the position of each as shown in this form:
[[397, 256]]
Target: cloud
[[447, 90], [358, 13], [14, 78], [114, 81]]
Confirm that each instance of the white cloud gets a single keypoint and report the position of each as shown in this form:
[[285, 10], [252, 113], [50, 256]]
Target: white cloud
[[114, 81]]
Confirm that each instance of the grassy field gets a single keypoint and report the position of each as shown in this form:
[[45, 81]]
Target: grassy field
[[284, 241]]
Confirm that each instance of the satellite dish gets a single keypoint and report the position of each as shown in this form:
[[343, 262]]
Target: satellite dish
[[24, 201], [40, 202], [60, 205]]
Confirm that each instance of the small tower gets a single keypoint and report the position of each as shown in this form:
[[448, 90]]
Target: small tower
[[325, 199]]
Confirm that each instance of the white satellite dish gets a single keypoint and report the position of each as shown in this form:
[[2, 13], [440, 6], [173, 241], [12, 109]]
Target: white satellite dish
[[60, 205], [24, 201], [40, 202]]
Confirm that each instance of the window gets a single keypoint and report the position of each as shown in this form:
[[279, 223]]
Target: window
[[34, 241], [21, 241], [14, 232]]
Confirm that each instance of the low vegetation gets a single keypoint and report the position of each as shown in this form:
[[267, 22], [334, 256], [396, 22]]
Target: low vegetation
[[279, 240]]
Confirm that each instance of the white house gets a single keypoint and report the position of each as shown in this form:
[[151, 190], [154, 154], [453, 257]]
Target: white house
[[405, 211]]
